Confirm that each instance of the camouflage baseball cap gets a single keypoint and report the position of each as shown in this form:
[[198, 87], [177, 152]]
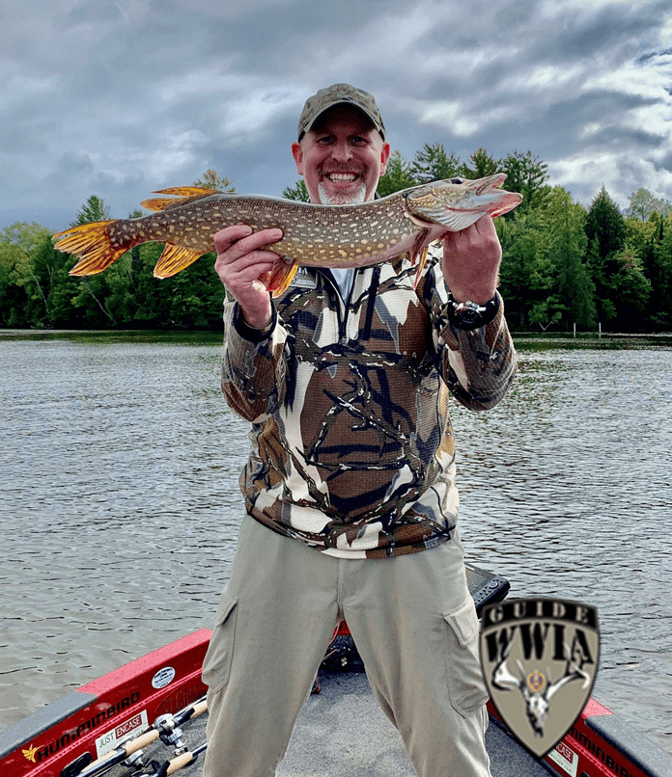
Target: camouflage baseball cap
[[334, 95]]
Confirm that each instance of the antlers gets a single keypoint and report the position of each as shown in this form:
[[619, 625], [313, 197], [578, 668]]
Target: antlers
[[537, 700]]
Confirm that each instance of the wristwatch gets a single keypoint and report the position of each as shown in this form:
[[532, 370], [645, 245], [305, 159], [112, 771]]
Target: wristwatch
[[470, 315]]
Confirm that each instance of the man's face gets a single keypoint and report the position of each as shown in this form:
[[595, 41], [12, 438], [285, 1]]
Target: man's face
[[342, 157]]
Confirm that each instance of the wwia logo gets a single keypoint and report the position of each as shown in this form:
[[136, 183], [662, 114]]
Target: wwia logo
[[539, 659]]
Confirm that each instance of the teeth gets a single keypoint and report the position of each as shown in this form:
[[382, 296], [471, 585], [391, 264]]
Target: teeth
[[341, 176]]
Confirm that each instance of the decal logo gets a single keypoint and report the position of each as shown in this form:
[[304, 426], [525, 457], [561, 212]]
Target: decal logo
[[163, 677], [30, 753], [539, 660], [305, 278], [110, 739], [82, 730]]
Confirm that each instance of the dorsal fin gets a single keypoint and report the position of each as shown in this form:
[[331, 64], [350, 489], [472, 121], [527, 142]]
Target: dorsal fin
[[188, 191], [164, 203], [184, 194]]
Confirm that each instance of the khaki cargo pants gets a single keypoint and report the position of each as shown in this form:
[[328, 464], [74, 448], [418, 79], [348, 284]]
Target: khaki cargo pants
[[413, 622]]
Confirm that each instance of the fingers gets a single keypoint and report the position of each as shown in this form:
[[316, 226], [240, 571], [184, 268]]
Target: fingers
[[240, 251], [243, 264], [244, 240], [471, 260]]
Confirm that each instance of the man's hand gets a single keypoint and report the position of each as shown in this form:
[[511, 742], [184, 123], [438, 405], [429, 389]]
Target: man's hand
[[242, 265], [471, 260]]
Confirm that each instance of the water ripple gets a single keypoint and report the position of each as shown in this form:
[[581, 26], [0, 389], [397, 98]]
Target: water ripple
[[120, 505]]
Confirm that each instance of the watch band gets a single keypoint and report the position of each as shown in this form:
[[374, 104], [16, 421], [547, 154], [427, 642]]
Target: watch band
[[470, 315]]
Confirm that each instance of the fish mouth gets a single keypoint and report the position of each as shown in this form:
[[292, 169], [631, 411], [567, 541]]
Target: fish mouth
[[491, 184]]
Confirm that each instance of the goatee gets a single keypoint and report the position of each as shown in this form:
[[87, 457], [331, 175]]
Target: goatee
[[342, 198]]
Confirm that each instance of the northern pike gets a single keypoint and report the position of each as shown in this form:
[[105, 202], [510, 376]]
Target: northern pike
[[313, 235]]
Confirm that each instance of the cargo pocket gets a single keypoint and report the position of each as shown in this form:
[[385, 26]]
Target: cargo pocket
[[467, 688], [219, 655]]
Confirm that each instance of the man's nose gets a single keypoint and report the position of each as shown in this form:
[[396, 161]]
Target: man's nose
[[342, 151]]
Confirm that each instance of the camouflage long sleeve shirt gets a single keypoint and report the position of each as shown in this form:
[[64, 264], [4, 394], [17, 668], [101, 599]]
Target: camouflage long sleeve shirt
[[352, 446]]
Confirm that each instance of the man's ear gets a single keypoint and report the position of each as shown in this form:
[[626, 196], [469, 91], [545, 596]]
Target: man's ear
[[297, 153], [384, 156]]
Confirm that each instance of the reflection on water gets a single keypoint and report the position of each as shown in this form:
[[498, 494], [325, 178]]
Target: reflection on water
[[119, 465]]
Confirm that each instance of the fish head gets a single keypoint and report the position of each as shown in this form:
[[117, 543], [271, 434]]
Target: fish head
[[456, 204]]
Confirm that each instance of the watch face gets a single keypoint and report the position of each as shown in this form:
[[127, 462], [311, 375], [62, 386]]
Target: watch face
[[471, 315], [468, 315], [468, 312]]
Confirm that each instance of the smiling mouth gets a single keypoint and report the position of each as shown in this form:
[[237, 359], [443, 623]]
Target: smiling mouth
[[341, 177]]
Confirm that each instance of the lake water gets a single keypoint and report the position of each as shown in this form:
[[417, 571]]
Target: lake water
[[119, 503]]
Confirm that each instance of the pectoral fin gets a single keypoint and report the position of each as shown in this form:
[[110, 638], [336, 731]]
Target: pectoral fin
[[281, 276], [452, 220], [418, 254]]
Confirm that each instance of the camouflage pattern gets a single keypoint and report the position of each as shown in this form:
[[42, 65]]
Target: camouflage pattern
[[352, 446], [335, 95]]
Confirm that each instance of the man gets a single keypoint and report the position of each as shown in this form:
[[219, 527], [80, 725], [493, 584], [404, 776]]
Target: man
[[350, 485]]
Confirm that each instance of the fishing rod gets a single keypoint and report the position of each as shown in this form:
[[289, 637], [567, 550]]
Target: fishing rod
[[178, 762], [167, 727]]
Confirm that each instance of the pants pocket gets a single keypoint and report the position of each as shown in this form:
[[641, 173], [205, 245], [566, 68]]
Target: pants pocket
[[219, 655], [467, 688]]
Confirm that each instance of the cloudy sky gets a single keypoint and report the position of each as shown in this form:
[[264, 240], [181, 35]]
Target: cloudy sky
[[119, 98]]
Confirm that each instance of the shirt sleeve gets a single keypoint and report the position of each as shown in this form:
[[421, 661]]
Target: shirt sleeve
[[478, 365], [253, 365]]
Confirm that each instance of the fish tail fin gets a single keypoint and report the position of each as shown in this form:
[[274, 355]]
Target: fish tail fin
[[281, 275], [92, 244], [174, 259]]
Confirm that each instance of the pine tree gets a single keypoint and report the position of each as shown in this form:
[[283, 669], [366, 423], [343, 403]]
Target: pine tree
[[526, 174], [212, 180], [94, 209], [432, 163], [298, 192], [398, 176], [483, 164]]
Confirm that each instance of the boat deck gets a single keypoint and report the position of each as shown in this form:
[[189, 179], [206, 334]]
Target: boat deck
[[342, 731]]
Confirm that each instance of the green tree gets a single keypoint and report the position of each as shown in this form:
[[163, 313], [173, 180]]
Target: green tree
[[643, 203], [574, 290], [526, 275], [12, 295], [212, 180], [432, 163], [656, 264], [526, 174], [482, 164], [94, 209], [605, 223], [21, 291], [398, 176], [298, 192], [26, 236], [606, 232]]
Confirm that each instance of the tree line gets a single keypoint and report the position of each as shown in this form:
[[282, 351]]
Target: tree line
[[564, 265]]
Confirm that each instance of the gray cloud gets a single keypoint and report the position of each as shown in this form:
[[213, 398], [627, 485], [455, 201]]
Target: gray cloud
[[120, 97]]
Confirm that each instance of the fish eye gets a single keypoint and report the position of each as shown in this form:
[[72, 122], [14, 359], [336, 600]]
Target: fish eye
[[457, 180]]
